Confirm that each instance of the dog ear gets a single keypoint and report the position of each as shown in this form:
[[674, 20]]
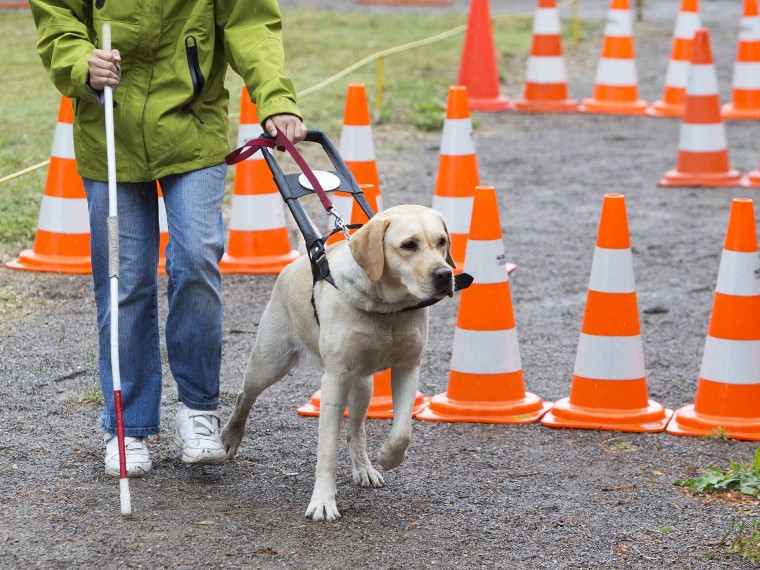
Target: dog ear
[[449, 259], [367, 248]]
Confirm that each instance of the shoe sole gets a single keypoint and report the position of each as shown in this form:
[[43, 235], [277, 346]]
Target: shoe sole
[[130, 475], [197, 460]]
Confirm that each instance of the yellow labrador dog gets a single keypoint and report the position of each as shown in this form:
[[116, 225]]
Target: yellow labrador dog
[[397, 260]]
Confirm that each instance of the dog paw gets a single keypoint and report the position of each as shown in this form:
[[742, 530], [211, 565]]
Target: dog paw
[[230, 441], [367, 476], [390, 458], [322, 510]]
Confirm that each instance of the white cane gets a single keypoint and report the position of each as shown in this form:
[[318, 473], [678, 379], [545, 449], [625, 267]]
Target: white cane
[[113, 272]]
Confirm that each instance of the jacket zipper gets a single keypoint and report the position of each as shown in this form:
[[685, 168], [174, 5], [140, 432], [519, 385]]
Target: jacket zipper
[[196, 74]]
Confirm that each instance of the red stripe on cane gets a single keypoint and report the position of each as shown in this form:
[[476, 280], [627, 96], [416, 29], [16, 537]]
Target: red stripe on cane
[[120, 434]]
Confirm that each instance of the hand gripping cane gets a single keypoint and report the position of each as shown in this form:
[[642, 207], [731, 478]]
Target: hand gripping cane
[[113, 272]]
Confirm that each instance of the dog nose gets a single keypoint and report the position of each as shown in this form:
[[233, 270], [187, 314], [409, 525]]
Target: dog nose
[[442, 277]]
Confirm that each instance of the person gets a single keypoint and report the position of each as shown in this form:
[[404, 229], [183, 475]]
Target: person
[[167, 69]]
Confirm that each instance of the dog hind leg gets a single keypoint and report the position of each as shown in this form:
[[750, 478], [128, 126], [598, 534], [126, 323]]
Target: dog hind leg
[[359, 397], [403, 391], [270, 360]]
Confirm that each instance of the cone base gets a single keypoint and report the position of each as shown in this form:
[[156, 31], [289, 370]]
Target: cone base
[[674, 178], [662, 109], [499, 103], [651, 419], [686, 421], [28, 260], [751, 180], [264, 265], [380, 407], [728, 111], [545, 105], [613, 107], [441, 408]]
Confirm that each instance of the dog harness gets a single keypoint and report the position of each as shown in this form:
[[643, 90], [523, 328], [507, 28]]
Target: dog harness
[[291, 191]]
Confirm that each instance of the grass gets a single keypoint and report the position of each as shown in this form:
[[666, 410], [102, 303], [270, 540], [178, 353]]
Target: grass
[[317, 44], [418, 76], [28, 113], [743, 538], [92, 394]]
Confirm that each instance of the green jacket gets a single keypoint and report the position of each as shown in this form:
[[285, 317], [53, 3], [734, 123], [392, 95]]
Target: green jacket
[[170, 112]]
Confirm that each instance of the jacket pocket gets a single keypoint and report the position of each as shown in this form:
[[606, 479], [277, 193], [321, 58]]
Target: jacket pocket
[[196, 73]]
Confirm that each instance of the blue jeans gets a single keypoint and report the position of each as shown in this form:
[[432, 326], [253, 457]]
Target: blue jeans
[[194, 323]]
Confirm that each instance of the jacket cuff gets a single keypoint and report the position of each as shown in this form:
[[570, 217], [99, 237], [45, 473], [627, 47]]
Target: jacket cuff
[[275, 97], [98, 95], [80, 77], [280, 106]]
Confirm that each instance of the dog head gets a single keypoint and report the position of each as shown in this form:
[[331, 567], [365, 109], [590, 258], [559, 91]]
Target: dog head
[[406, 251]]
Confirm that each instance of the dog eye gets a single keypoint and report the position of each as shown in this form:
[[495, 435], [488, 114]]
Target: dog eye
[[410, 245], [442, 242]]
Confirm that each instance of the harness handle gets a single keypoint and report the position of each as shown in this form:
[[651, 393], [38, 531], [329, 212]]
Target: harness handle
[[252, 146]]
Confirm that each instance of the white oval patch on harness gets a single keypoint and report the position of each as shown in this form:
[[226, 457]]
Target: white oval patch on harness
[[327, 179]]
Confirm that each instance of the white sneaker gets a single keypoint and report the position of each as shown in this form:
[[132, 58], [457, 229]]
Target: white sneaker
[[196, 432], [138, 456]]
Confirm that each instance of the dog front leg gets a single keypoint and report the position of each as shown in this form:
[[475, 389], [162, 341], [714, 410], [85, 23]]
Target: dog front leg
[[403, 391], [332, 404], [359, 397]]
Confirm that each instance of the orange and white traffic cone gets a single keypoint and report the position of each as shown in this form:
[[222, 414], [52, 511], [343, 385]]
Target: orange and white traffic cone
[[457, 173], [745, 95], [609, 387], [546, 80], [728, 391], [163, 227], [358, 151], [486, 379], [258, 234], [478, 70], [616, 90], [62, 242], [688, 22], [702, 146], [356, 144]]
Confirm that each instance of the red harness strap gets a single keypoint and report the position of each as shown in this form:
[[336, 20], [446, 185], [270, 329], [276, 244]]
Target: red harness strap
[[254, 145]]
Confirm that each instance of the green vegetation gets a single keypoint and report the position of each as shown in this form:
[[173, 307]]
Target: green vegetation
[[28, 113], [92, 394], [744, 538], [718, 434], [744, 477]]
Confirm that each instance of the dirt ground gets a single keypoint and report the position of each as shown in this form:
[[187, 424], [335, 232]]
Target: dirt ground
[[468, 495]]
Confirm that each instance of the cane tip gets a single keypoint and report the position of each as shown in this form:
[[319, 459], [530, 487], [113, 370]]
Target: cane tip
[[126, 499]]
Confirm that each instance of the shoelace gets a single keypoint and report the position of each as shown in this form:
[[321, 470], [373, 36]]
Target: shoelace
[[203, 425]]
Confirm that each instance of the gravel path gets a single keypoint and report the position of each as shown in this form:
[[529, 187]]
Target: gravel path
[[468, 495]]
